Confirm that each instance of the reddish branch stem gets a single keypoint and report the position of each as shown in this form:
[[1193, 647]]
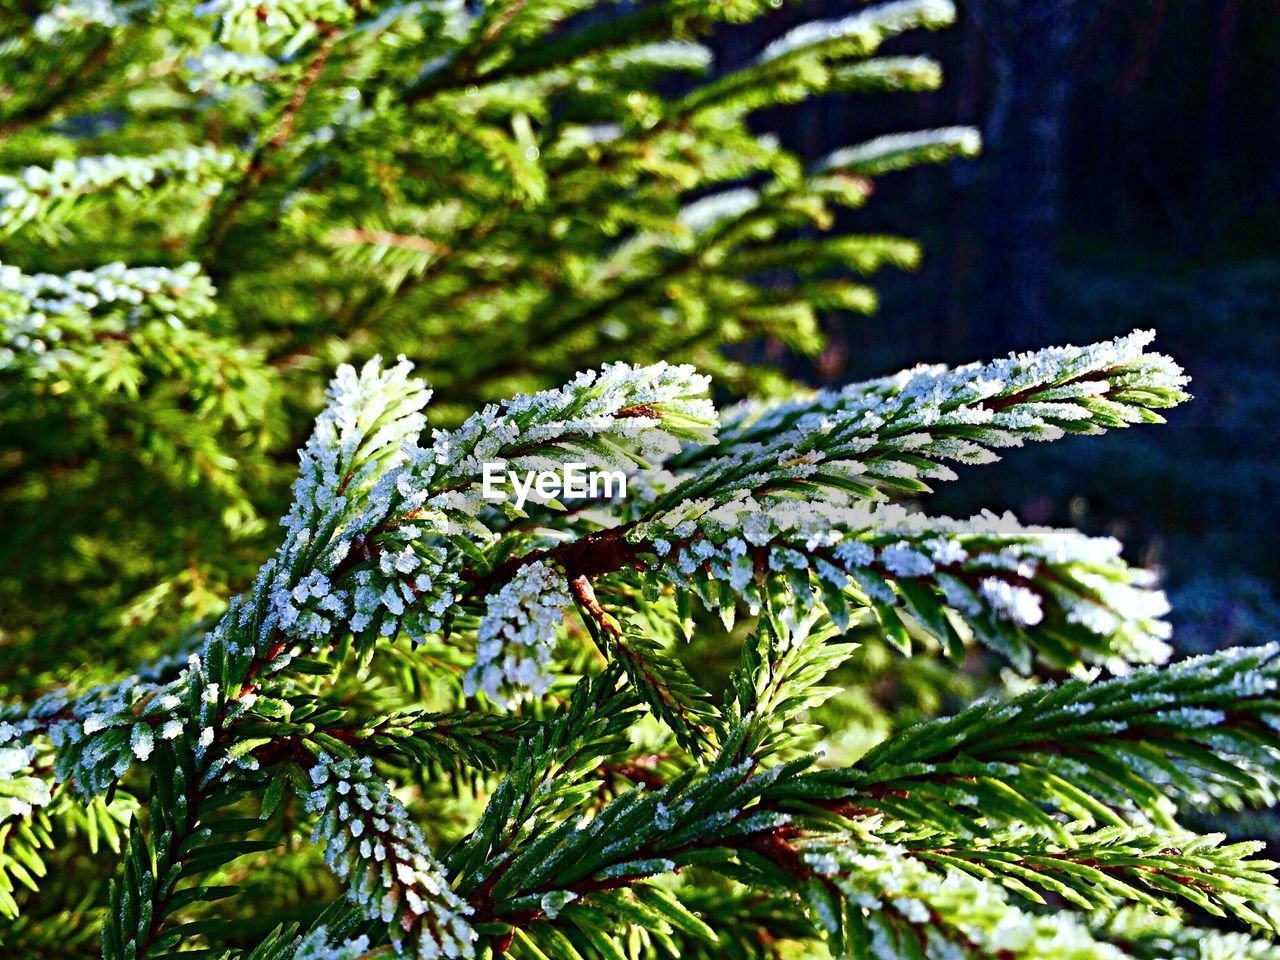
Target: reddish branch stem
[[257, 170]]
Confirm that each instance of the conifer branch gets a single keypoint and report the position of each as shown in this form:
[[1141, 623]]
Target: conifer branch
[[224, 215], [1108, 753], [1098, 869], [514, 177], [41, 197], [59, 90]]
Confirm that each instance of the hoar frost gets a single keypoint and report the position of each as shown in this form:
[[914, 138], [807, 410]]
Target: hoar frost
[[518, 633], [371, 843], [371, 547]]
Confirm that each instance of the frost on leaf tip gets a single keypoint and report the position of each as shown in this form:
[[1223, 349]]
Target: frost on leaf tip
[[517, 635], [374, 846]]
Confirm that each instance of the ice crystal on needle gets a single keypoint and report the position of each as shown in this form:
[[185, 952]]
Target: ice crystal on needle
[[317, 945], [707, 212], [215, 66], [181, 293], [618, 417], [74, 16], [871, 439], [517, 635], [985, 569], [279, 27], [370, 841], [884, 877], [865, 29], [45, 317], [20, 791]]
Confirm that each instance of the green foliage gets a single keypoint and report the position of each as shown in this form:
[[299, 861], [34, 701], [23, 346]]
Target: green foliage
[[1113, 752], [379, 178], [441, 725]]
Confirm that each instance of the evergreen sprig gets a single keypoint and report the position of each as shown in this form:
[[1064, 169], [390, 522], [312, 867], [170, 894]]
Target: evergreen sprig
[[534, 157], [1113, 752], [485, 718], [1063, 790]]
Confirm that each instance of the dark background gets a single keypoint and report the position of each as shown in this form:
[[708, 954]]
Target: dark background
[[1129, 178]]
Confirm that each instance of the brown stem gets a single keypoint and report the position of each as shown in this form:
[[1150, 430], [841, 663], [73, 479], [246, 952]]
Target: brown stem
[[61, 91], [586, 596], [1003, 403], [460, 69], [257, 170], [387, 238]]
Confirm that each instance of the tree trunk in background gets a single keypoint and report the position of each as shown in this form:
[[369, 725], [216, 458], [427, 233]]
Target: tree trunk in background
[[954, 328], [1030, 46]]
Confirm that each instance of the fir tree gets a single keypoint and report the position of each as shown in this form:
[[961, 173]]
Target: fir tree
[[303, 184], [486, 720]]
